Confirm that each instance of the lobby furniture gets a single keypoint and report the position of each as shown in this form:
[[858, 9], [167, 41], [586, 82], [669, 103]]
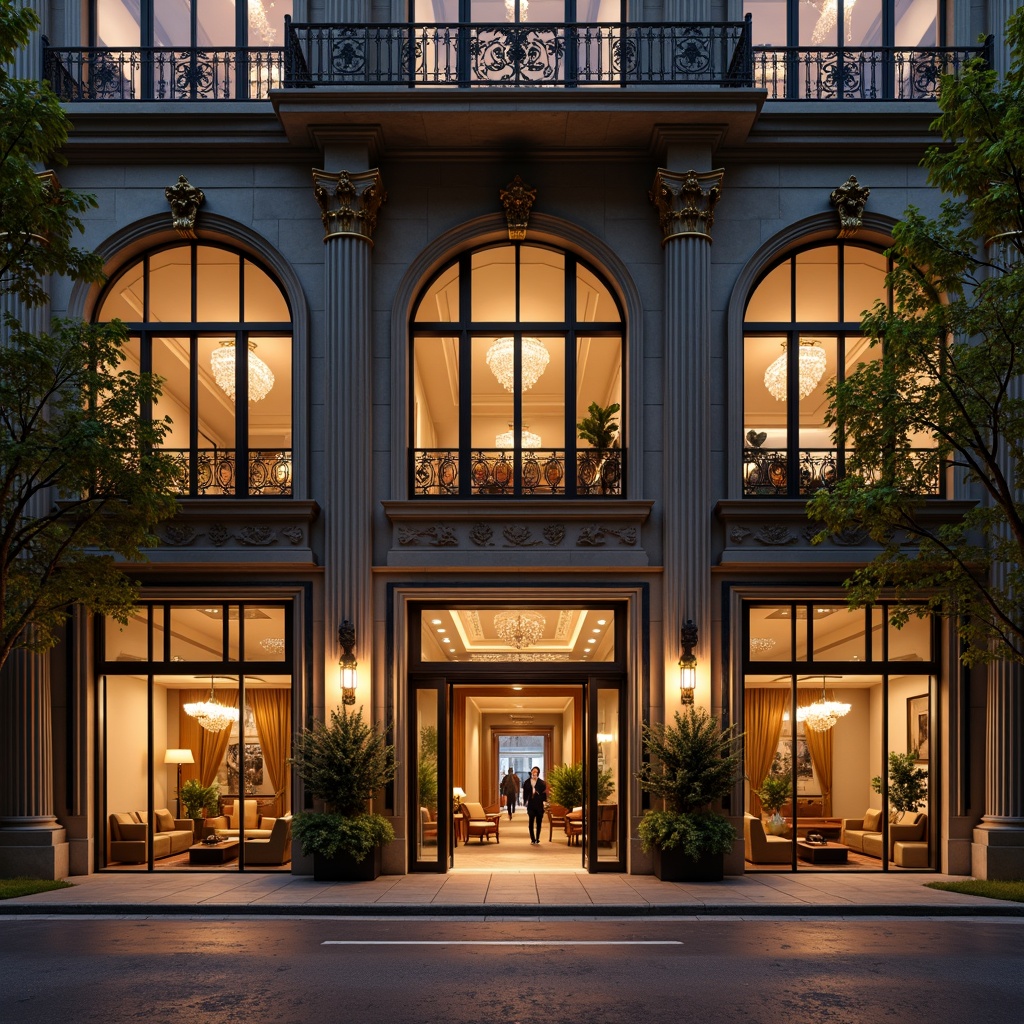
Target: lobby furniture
[[479, 823], [761, 848], [806, 807], [910, 854], [428, 827], [227, 824], [822, 853], [556, 817], [574, 826], [129, 833], [274, 851], [828, 828], [213, 853], [865, 834], [607, 817]]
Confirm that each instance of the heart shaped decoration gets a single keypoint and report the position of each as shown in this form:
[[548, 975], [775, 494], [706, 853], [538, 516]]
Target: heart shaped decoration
[[756, 438]]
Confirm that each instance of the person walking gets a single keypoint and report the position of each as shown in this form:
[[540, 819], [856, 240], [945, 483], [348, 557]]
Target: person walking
[[535, 792], [509, 789]]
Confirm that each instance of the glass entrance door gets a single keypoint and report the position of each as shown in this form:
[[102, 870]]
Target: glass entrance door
[[605, 842], [432, 821]]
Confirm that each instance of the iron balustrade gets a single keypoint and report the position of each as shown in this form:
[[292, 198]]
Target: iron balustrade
[[492, 472], [206, 472], [858, 73], [163, 72], [766, 472]]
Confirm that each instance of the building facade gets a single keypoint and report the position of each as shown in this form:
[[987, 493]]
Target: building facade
[[513, 291]]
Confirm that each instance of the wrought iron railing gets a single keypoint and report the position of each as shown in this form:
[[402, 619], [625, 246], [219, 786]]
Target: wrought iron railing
[[498, 472], [857, 73], [212, 472], [163, 72], [766, 472], [503, 54]]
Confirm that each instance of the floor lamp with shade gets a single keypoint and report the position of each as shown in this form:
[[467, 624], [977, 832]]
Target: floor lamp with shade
[[179, 757]]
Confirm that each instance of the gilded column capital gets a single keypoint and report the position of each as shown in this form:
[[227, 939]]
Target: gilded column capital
[[686, 201], [349, 202]]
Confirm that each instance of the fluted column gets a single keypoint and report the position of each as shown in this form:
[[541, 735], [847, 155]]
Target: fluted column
[[28, 62], [349, 203], [346, 12], [686, 203]]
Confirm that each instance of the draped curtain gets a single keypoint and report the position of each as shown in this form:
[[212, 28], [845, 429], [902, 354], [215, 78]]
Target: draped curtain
[[190, 732], [819, 746], [763, 713], [208, 748], [271, 710]]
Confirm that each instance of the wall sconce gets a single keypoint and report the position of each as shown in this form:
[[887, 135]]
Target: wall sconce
[[687, 663], [347, 639]]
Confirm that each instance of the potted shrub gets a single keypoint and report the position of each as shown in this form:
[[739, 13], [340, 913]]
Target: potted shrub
[[343, 763], [774, 794], [908, 784], [693, 763], [565, 784], [598, 429], [198, 802]]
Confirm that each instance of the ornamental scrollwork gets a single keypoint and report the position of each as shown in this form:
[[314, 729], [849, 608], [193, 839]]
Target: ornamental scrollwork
[[685, 205], [349, 203], [436, 536], [775, 536], [517, 198], [481, 535], [219, 534], [180, 536], [256, 536], [519, 536], [554, 534], [185, 200]]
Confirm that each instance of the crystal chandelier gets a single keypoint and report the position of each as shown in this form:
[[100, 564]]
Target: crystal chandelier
[[212, 716], [261, 378], [812, 368], [824, 32], [527, 439], [501, 360], [822, 714], [519, 629], [510, 9], [273, 644], [761, 644]]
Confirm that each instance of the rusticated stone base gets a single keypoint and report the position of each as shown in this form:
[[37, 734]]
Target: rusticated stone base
[[34, 853], [997, 853]]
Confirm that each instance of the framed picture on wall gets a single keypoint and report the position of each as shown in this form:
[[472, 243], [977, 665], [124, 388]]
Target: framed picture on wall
[[918, 733]]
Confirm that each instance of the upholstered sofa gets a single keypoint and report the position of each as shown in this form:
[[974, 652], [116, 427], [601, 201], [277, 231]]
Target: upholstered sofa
[[275, 849], [129, 833], [227, 824], [761, 848], [865, 834]]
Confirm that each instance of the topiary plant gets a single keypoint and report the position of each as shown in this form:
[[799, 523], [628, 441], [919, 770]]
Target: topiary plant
[[908, 784]]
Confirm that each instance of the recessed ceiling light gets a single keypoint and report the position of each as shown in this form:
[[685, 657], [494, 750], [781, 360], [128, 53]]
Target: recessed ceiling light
[[446, 639], [516, 687], [586, 650], [595, 630], [435, 622], [442, 631], [602, 622]]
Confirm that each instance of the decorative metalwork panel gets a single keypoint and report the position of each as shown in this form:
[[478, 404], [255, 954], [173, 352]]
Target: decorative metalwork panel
[[270, 473], [496, 472]]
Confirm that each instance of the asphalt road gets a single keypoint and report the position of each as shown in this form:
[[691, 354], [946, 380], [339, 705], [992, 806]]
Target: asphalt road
[[193, 971]]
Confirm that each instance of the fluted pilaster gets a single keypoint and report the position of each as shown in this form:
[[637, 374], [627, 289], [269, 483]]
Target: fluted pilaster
[[685, 203]]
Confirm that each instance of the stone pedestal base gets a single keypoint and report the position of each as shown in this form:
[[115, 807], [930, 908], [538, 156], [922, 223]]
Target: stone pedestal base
[[997, 853], [34, 853]]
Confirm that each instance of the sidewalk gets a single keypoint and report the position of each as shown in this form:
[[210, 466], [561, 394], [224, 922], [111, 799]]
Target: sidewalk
[[508, 894]]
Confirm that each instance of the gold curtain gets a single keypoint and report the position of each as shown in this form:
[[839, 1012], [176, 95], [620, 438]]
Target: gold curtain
[[459, 743], [762, 718], [190, 732], [819, 746], [208, 748], [271, 710]]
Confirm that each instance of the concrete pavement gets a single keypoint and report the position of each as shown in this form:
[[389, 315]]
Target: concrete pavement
[[470, 893]]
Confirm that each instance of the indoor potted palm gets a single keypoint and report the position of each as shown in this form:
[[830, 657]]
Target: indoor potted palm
[[598, 429], [693, 764], [343, 763], [198, 802]]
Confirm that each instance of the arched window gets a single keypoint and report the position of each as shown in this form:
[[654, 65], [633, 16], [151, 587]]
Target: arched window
[[213, 325], [513, 347]]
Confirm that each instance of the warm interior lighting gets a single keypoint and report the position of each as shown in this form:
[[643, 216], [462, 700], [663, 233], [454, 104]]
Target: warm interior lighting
[[811, 370], [519, 629], [688, 663], [605, 737], [212, 715], [510, 9], [527, 439], [824, 31], [822, 714], [501, 359], [261, 378], [761, 644], [273, 644], [458, 795], [347, 664]]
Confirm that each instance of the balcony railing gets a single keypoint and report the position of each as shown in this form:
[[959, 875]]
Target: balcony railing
[[212, 472], [492, 473]]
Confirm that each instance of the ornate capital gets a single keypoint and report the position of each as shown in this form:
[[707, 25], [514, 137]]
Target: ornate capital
[[185, 201], [349, 202], [686, 202], [849, 199], [517, 198]]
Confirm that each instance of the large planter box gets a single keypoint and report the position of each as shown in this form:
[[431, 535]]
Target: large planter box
[[344, 869], [675, 866]]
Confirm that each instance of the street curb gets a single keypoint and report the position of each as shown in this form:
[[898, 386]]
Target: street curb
[[12, 908]]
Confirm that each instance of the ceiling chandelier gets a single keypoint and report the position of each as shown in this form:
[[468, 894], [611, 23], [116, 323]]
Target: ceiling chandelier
[[524, 9], [261, 377], [527, 439], [822, 714], [212, 715], [273, 644], [824, 32], [811, 370], [502, 361], [761, 644], [519, 629]]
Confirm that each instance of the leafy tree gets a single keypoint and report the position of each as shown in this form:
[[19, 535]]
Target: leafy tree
[[908, 783], [946, 399], [82, 481]]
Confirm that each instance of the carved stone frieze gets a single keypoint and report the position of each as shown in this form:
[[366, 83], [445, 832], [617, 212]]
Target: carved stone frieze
[[481, 534], [554, 534], [595, 536], [517, 198], [519, 536], [435, 536], [219, 534], [185, 200], [257, 536], [349, 202], [849, 199], [775, 536], [686, 202], [180, 536]]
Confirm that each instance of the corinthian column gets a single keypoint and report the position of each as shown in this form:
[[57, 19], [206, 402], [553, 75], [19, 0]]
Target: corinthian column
[[686, 204], [349, 203]]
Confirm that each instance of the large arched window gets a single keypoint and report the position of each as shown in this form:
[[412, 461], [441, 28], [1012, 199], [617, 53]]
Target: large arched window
[[213, 325], [513, 347]]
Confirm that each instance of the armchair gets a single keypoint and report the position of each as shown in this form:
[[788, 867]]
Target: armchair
[[479, 823], [760, 848], [556, 816], [275, 850]]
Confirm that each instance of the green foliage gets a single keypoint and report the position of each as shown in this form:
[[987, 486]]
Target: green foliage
[[565, 784], [598, 429], [774, 792], [11, 888], [196, 798], [426, 769], [953, 347], [693, 761], [331, 834], [908, 783], [1013, 891], [699, 834], [345, 762]]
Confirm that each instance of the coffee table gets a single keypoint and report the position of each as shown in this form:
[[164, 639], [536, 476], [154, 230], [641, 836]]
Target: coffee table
[[213, 853], [821, 853]]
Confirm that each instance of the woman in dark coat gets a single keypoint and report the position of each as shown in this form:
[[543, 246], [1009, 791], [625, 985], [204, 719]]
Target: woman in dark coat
[[535, 792]]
